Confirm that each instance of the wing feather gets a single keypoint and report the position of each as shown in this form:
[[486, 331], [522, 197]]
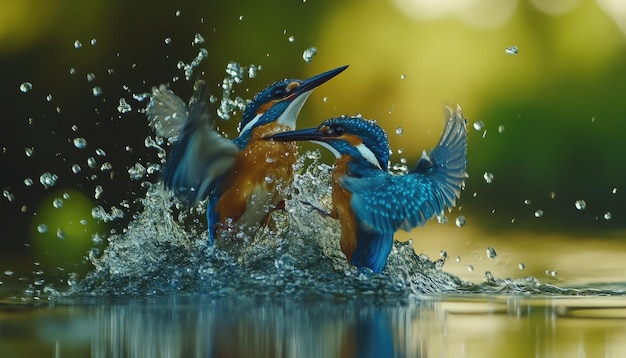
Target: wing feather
[[389, 202], [200, 156]]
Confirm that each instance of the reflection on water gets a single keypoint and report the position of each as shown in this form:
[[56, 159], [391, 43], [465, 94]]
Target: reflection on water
[[469, 326]]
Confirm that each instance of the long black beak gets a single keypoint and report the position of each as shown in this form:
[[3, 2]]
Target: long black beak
[[311, 83], [298, 135]]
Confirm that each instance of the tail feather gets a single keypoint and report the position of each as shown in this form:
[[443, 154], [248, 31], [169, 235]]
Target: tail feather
[[372, 249]]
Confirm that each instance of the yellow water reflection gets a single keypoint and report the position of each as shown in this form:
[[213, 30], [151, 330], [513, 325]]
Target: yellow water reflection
[[470, 326], [553, 258]]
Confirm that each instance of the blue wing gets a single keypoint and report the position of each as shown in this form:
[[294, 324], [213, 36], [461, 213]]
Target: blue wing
[[200, 156], [388, 202]]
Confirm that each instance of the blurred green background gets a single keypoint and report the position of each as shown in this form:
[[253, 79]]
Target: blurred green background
[[546, 123]]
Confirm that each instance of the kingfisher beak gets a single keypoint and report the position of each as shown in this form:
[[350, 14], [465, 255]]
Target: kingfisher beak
[[311, 83], [298, 135]]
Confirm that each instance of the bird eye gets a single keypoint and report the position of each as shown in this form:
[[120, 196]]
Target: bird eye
[[278, 93], [338, 130]]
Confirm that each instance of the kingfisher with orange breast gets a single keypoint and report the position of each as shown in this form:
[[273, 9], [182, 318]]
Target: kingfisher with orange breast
[[240, 177], [370, 203]]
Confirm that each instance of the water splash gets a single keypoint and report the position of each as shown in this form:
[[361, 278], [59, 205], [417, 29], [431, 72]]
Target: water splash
[[165, 250]]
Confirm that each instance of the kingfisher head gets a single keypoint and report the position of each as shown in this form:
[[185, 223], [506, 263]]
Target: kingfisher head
[[281, 101], [359, 138]]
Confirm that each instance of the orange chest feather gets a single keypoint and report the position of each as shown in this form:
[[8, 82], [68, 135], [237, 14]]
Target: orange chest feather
[[342, 210], [261, 167]]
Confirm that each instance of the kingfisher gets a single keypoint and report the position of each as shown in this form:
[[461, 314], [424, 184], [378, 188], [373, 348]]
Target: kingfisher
[[371, 203], [240, 177]]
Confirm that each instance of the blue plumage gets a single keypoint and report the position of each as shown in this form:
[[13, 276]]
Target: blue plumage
[[378, 202]]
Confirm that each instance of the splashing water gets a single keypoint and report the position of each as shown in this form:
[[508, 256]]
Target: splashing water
[[165, 250], [297, 254]]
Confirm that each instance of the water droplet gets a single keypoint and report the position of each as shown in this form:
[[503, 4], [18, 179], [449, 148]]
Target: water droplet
[[48, 179], [252, 72], [42, 228], [491, 253], [57, 203], [72, 71], [91, 77], [240, 17], [580, 204], [80, 143], [607, 215], [521, 266], [552, 273], [527, 201], [98, 192], [60, 233], [470, 268], [511, 50], [197, 39], [309, 53], [501, 128], [28, 182], [478, 125], [538, 213], [7, 194], [123, 106], [106, 166], [93, 42], [97, 91], [458, 259], [488, 177], [66, 196], [26, 86], [91, 162], [614, 191], [399, 131], [49, 97], [77, 44], [137, 171], [313, 154], [76, 168], [291, 38], [460, 221], [552, 195], [101, 152]]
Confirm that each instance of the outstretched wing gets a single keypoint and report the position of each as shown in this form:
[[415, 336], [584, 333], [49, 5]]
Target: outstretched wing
[[388, 202], [200, 156]]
